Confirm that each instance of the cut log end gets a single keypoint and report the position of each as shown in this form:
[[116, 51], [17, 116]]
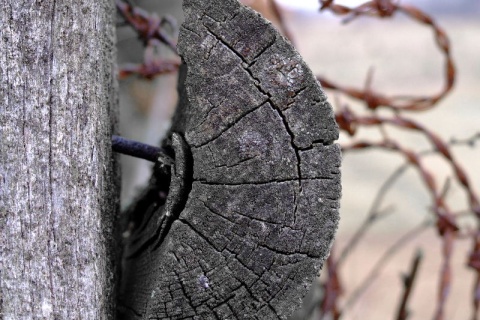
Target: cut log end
[[260, 209]]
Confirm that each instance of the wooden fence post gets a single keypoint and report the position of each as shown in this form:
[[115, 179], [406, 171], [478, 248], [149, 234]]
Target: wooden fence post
[[58, 190], [252, 205]]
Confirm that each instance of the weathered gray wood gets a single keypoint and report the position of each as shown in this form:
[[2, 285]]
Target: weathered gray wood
[[253, 203], [57, 176]]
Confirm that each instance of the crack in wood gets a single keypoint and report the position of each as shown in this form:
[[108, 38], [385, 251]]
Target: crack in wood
[[242, 116], [259, 211]]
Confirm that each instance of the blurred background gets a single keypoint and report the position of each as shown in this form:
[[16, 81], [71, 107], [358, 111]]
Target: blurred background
[[403, 59]]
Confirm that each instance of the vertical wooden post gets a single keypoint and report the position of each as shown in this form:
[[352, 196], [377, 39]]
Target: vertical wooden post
[[58, 196]]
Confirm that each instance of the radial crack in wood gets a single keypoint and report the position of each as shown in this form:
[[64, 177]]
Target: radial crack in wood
[[256, 175]]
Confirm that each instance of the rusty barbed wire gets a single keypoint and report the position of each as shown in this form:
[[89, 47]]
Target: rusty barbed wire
[[474, 263], [386, 9], [150, 29], [149, 69], [440, 207], [148, 26], [445, 218], [349, 121], [332, 290], [446, 272]]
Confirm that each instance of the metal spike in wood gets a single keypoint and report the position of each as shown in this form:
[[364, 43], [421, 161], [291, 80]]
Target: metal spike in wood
[[253, 203]]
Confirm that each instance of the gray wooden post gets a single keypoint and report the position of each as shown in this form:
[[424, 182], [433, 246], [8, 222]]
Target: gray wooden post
[[58, 193], [252, 206]]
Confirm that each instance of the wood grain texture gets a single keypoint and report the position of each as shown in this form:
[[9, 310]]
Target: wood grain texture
[[257, 208], [58, 192]]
